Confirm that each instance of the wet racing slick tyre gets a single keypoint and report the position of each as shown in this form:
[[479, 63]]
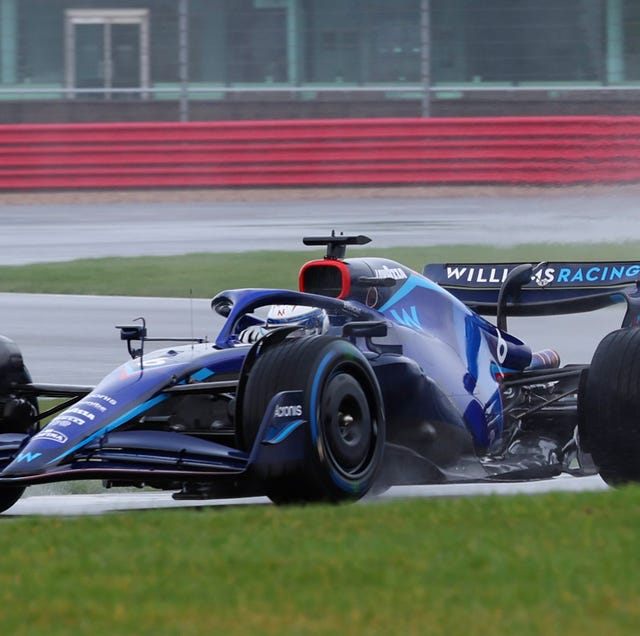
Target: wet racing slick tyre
[[345, 419], [609, 406], [17, 415]]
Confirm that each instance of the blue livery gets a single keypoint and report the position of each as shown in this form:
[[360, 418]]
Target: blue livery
[[401, 381]]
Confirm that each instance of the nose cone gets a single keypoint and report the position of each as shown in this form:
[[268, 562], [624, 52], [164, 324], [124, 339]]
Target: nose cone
[[32, 459]]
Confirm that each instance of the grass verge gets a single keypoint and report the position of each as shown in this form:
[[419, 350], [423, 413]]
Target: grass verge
[[561, 563], [204, 274], [553, 564]]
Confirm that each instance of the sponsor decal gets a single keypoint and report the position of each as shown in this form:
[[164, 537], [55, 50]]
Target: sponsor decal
[[27, 457], [105, 398], [95, 405], [53, 435], [543, 276], [397, 273], [125, 417], [478, 274], [598, 273], [290, 410], [65, 420], [85, 411], [602, 273], [352, 309], [82, 412]]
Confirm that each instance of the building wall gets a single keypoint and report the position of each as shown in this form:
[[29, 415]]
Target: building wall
[[312, 58]]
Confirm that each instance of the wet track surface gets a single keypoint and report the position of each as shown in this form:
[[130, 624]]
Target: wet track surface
[[101, 503], [64, 232]]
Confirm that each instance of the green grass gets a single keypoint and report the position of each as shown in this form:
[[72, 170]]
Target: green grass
[[551, 564], [204, 274]]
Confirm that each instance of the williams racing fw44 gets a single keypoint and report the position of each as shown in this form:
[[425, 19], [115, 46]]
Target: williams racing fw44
[[371, 375]]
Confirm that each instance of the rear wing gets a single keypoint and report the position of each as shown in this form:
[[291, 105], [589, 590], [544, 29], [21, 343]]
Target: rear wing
[[551, 288]]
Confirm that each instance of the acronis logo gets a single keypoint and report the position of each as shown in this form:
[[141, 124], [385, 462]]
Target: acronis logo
[[27, 457], [289, 410]]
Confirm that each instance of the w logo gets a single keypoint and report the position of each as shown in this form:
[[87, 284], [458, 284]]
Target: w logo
[[408, 318], [28, 457]]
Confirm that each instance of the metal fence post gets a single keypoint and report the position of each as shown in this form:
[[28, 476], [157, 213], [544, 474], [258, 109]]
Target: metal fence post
[[183, 58], [425, 55], [8, 41]]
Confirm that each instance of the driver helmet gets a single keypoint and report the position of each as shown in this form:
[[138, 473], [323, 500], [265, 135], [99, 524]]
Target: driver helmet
[[312, 319]]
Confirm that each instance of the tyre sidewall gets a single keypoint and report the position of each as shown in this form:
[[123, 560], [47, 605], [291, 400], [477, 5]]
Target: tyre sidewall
[[340, 357], [609, 406]]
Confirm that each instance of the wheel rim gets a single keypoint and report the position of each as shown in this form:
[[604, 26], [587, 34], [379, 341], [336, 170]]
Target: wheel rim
[[348, 428]]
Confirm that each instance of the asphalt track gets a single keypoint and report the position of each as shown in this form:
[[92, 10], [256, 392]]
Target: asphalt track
[[56, 232], [81, 330], [94, 504]]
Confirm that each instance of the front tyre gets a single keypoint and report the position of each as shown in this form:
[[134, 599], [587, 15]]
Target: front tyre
[[9, 495], [609, 406], [343, 404]]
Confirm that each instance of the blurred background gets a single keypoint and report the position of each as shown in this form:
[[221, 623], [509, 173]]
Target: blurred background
[[181, 60]]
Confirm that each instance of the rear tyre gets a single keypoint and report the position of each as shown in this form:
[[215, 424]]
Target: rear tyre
[[609, 407], [343, 404]]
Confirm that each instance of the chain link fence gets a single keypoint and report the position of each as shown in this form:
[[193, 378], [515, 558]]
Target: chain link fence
[[94, 60]]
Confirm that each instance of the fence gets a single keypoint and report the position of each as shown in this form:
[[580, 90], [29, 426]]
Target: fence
[[509, 150]]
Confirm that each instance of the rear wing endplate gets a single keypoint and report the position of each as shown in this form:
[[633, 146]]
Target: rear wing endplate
[[553, 288]]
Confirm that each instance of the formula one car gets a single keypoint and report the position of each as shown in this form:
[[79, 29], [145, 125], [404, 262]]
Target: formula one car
[[387, 376]]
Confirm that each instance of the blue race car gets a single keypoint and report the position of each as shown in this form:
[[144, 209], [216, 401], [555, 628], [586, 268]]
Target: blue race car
[[372, 375]]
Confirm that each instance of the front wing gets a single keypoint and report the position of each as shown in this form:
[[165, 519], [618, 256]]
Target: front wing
[[171, 460]]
